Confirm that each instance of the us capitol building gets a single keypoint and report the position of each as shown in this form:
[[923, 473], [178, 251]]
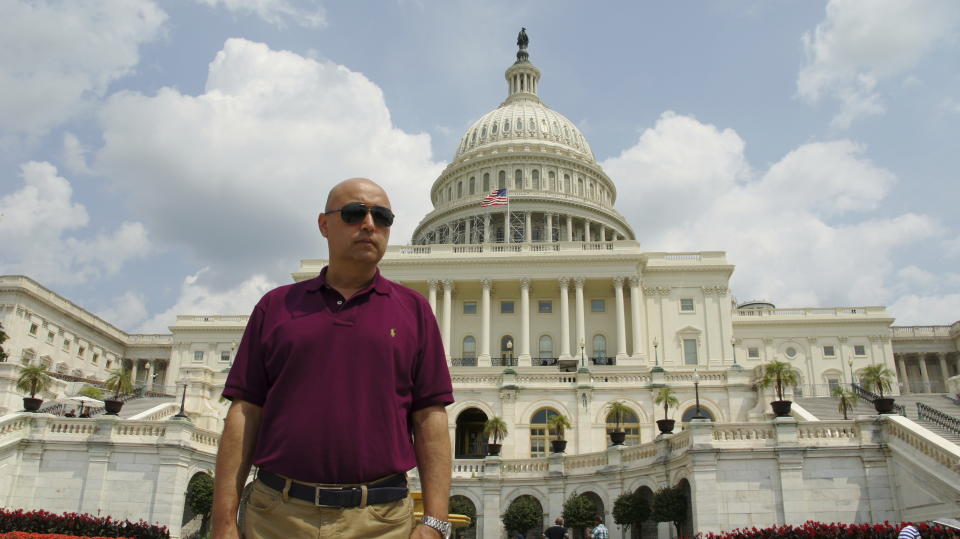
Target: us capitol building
[[547, 306]]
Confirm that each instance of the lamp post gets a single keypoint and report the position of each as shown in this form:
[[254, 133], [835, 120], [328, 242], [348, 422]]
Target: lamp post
[[733, 346], [183, 399], [850, 365], [583, 357], [509, 358], [656, 357], [696, 390]]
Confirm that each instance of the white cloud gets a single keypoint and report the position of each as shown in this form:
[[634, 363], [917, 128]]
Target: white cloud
[[863, 42], [919, 310], [125, 311], [239, 173], [277, 12], [75, 154], [58, 57], [791, 231], [35, 221], [198, 299]]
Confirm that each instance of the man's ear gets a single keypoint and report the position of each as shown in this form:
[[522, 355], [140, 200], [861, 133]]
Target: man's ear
[[322, 224]]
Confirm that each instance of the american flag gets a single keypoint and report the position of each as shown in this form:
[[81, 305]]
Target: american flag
[[497, 197]]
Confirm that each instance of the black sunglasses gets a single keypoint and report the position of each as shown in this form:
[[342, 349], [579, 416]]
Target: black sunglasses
[[355, 212]]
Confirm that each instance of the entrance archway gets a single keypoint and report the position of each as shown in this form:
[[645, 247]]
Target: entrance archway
[[470, 441]]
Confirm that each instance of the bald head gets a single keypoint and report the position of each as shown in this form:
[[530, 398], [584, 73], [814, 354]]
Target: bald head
[[343, 191]]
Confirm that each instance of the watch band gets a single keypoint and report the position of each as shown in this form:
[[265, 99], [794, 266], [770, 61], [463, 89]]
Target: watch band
[[445, 528]]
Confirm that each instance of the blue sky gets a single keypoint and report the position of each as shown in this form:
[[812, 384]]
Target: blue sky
[[163, 158]]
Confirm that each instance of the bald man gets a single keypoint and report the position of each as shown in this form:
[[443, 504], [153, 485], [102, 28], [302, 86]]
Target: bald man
[[339, 387]]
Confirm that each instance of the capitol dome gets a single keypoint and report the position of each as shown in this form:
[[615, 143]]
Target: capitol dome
[[551, 187]]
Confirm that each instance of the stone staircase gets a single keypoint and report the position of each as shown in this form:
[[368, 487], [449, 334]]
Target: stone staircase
[[826, 408], [134, 406]]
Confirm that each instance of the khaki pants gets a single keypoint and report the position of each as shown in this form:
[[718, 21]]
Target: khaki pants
[[269, 516]]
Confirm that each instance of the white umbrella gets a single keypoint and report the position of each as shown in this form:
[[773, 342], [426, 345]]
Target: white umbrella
[[87, 401]]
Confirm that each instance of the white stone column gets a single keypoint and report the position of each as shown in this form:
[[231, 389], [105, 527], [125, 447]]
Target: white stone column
[[578, 283], [586, 229], [527, 228], [924, 374], [549, 226], [484, 358], [467, 229], [636, 312], [133, 372], [621, 319], [524, 358], [603, 232], [569, 227], [564, 318], [507, 236], [447, 315], [944, 371], [432, 297], [486, 229], [904, 379]]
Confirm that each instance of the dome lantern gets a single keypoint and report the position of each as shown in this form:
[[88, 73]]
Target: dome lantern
[[523, 78]]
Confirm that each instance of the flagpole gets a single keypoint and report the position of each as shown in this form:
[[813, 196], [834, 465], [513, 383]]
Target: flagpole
[[509, 224]]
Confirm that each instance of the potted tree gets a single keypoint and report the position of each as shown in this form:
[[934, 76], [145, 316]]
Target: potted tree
[[559, 424], [779, 374], [33, 379], [497, 428], [667, 398], [846, 400], [878, 379], [617, 410], [119, 382]]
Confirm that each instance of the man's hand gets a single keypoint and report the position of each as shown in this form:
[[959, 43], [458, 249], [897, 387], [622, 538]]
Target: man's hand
[[422, 531]]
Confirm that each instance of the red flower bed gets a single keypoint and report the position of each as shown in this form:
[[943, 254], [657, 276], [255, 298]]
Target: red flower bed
[[819, 530], [45, 524], [31, 535]]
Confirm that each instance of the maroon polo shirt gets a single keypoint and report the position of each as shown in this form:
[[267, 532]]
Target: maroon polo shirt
[[338, 379]]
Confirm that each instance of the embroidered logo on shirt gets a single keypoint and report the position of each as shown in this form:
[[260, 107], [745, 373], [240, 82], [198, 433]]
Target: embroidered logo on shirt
[[393, 332]]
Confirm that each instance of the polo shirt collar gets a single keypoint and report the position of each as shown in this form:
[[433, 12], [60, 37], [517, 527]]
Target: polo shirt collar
[[380, 284]]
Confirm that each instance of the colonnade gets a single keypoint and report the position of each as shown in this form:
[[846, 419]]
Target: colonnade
[[926, 385], [446, 287], [481, 228], [151, 367]]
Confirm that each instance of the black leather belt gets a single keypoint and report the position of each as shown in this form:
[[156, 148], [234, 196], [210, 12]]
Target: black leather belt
[[387, 490]]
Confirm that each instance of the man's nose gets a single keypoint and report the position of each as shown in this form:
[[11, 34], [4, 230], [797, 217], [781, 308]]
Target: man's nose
[[367, 222]]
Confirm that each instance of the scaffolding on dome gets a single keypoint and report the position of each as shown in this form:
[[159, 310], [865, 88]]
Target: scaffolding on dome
[[517, 226]]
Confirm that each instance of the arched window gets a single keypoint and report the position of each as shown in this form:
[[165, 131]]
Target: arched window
[[552, 180], [599, 350], [483, 133], [449, 193], [473, 136], [630, 425], [460, 189], [519, 124], [533, 124], [691, 412], [535, 175], [580, 190], [469, 441], [539, 433], [493, 130], [566, 183], [469, 347], [502, 180], [518, 179], [506, 126], [473, 185], [546, 348], [486, 182]]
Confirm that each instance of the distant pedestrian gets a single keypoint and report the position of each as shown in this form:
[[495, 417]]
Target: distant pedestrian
[[557, 531], [909, 532], [599, 530]]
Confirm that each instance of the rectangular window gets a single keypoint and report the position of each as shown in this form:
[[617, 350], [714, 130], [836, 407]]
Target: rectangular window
[[859, 350], [80, 351], [506, 307], [109, 362], [469, 307], [33, 329], [828, 351], [198, 356], [96, 358], [66, 345], [686, 305], [753, 353], [690, 352], [545, 306], [50, 337], [224, 356], [597, 306]]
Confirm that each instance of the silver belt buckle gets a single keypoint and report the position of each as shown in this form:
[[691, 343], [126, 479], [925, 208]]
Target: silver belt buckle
[[316, 496]]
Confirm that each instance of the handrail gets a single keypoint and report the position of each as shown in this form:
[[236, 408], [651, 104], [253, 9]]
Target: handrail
[[870, 397], [941, 419]]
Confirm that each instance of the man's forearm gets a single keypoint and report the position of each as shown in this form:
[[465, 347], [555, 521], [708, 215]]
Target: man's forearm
[[233, 464], [432, 446]]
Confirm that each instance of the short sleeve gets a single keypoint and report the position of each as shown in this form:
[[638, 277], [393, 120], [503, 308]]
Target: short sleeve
[[431, 385], [248, 376]]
